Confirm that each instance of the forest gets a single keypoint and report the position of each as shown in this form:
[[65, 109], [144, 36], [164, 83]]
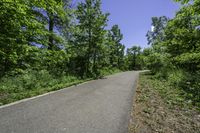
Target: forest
[[174, 55], [48, 45]]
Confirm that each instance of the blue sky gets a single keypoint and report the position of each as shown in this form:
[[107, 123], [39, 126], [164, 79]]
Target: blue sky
[[134, 17]]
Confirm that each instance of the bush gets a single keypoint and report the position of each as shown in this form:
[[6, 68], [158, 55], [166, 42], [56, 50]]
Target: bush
[[30, 79], [31, 83], [191, 85], [185, 81], [175, 77]]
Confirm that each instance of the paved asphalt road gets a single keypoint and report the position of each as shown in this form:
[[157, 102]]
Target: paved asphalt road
[[100, 106]]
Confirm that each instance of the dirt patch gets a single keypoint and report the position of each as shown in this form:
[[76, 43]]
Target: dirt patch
[[152, 114]]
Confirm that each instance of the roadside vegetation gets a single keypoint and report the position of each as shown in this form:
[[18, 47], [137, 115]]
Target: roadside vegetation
[[49, 45], [168, 98], [35, 83], [174, 53], [52, 44], [162, 108]]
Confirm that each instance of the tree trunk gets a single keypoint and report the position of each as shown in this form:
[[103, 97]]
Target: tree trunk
[[51, 27], [134, 61]]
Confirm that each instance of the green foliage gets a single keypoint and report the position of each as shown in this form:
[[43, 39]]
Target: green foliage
[[90, 36], [32, 83], [186, 1], [173, 95], [108, 71], [174, 55], [190, 84], [182, 1], [134, 58], [116, 49], [156, 34], [48, 45], [24, 24], [29, 80]]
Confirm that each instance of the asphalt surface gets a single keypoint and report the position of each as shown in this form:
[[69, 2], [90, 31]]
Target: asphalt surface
[[99, 106]]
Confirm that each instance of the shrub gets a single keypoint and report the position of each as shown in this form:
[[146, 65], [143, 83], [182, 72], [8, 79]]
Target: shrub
[[175, 77], [30, 79], [191, 85]]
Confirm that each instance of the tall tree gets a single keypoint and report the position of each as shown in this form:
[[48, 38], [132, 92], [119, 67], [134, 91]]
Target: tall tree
[[157, 32], [91, 36], [117, 49], [53, 14], [175, 56], [18, 24], [182, 39]]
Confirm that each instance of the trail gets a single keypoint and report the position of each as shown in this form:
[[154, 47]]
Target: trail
[[99, 106]]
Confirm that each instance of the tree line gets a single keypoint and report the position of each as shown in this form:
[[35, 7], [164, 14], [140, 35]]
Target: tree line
[[43, 43], [60, 38], [174, 54]]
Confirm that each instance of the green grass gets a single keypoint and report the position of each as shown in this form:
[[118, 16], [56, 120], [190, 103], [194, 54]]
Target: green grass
[[172, 95], [33, 83]]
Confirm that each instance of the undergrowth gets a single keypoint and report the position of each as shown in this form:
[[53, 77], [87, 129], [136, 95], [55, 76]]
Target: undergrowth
[[173, 94], [32, 83]]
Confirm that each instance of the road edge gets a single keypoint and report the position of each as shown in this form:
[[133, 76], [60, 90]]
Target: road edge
[[52, 92]]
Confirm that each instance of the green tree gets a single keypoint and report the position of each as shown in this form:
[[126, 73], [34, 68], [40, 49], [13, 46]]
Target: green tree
[[182, 39], [133, 54], [116, 48], [18, 25], [156, 34], [53, 13], [182, 44], [175, 56], [90, 36], [156, 60]]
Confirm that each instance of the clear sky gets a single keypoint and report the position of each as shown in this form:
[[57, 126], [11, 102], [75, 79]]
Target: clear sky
[[134, 17]]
